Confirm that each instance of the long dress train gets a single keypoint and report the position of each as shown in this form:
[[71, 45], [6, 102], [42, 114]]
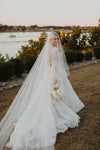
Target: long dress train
[[37, 127]]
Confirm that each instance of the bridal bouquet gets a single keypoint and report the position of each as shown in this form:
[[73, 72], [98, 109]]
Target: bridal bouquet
[[57, 93]]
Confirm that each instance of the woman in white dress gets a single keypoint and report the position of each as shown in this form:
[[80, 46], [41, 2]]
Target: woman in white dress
[[35, 117]]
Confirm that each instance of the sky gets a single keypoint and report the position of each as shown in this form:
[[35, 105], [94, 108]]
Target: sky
[[50, 12]]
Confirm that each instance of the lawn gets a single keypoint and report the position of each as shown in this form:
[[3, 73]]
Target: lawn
[[86, 83]]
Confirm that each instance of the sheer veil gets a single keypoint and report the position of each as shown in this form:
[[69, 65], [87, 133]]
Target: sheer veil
[[29, 86], [63, 58]]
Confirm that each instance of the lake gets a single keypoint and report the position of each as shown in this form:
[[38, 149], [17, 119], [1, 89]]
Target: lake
[[11, 45]]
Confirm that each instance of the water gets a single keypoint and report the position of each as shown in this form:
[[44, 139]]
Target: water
[[12, 45]]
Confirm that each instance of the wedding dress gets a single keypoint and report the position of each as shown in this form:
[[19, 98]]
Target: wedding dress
[[34, 118]]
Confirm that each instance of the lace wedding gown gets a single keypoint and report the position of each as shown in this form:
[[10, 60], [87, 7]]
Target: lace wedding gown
[[44, 117]]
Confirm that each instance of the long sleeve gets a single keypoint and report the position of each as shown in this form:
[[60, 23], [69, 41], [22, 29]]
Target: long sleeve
[[53, 57], [53, 62]]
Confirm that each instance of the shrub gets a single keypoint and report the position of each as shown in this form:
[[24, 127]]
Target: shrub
[[91, 50], [6, 71], [70, 55], [83, 51], [29, 61], [2, 59], [18, 66], [97, 51], [88, 56], [79, 56]]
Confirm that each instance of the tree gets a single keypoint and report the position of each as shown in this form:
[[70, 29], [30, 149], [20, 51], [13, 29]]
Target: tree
[[63, 37], [99, 22], [94, 36], [33, 48], [73, 38], [83, 41], [23, 28]]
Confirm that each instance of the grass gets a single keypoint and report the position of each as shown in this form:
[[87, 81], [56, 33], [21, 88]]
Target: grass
[[86, 83]]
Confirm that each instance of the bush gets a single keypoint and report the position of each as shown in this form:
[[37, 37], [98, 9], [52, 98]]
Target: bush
[[2, 59], [97, 51], [29, 61], [70, 55], [18, 66], [6, 71], [79, 56], [88, 56]]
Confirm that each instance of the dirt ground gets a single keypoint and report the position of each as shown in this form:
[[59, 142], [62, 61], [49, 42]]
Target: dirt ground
[[86, 83]]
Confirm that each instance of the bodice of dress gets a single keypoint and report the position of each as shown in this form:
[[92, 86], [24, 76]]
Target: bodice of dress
[[57, 71], [55, 57]]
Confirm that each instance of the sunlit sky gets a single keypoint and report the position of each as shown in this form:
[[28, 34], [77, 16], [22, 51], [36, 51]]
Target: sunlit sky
[[50, 12]]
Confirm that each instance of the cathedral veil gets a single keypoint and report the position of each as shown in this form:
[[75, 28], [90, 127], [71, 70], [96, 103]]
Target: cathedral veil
[[63, 58], [29, 86]]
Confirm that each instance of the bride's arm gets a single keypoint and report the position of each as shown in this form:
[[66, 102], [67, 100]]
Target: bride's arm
[[52, 58]]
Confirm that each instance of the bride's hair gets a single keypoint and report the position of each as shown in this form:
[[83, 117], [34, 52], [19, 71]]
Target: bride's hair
[[52, 34]]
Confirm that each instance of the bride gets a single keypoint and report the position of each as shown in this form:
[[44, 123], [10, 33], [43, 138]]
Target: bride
[[35, 115]]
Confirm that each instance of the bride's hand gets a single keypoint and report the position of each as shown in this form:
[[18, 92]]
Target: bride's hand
[[50, 65]]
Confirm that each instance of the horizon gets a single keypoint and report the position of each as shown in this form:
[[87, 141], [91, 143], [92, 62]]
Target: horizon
[[49, 25]]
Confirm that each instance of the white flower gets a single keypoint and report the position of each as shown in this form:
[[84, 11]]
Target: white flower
[[57, 94]]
